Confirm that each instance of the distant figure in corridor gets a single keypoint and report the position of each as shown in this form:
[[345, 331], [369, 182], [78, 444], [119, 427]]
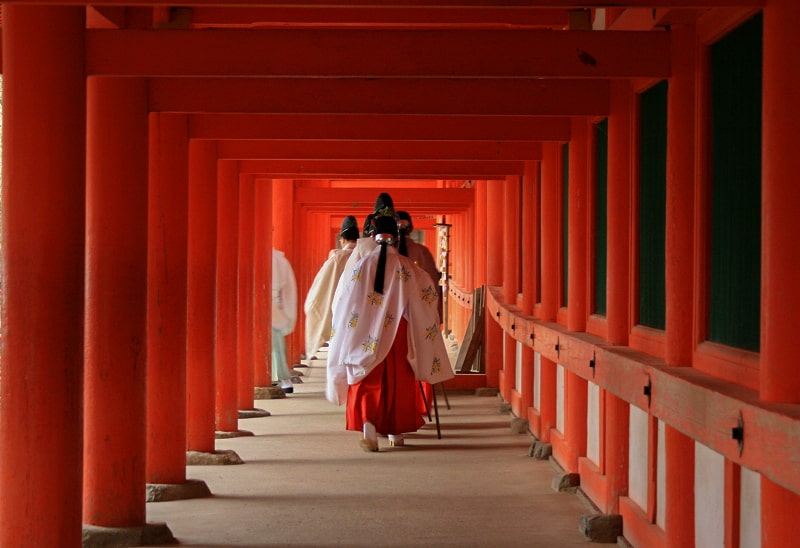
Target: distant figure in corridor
[[385, 338], [418, 253], [319, 299], [284, 317]]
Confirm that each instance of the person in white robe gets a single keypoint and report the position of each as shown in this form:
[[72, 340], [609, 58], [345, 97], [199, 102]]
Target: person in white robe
[[418, 253], [386, 295], [284, 317], [319, 299]]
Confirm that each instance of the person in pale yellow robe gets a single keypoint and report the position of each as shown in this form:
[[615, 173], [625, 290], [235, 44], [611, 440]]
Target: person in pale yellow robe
[[317, 306]]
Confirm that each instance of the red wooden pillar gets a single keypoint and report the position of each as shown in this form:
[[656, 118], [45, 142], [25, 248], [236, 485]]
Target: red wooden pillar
[[679, 260], [780, 294], [200, 301], [619, 207], [262, 282], [283, 240], [551, 185], [116, 299], [510, 249], [575, 389], [530, 251], [617, 411], [166, 299], [246, 370], [225, 352], [495, 229], [42, 266], [481, 222]]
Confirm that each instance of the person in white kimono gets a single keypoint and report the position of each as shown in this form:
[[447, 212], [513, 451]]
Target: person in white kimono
[[284, 317], [418, 253], [385, 339], [383, 205], [319, 300]]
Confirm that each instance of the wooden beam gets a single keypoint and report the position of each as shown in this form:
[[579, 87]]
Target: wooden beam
[[379, 150], [379, 126], [416, 199], [430, 169], [560, 97], [569, 4], [452, 53], [375, 17]]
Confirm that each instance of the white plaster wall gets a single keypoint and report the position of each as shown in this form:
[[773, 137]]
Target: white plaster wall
[[518, 369], [537, 381], [560, 398], [593, 423], [750, 509], [709, 498], [661, 476], [637, 456]]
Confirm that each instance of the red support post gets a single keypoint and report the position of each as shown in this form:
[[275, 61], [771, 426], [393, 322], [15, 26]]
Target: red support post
[[116, 303], [166, 298], [493, 336], [225, 351], [262, 276], [44, 117], [530, 252], [510, 249], [200, 301], [246, 371]]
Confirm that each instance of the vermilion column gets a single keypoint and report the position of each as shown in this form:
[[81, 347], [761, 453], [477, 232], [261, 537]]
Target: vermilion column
[[617, 411], [166, 299], [575, 386], [679, 262], [551, 185], [116, 300], [619, 207], [262, 278], [510, 247], [480, 225], [780, 294], [200, 301], [44, 99], [282, 240], [529, 234], [246, 243], [226, 356], [494, 228]]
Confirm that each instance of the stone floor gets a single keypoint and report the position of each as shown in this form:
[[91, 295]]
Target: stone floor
[[306, 482]]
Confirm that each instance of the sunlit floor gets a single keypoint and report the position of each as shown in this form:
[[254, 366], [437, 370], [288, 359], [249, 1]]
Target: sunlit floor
[[306, 482]]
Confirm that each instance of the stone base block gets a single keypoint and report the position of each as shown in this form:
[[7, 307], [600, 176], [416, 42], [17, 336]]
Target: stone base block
[[268, 393], [540, 450], [191, 489], [226, 456], [504, 407], [223, 434], [253, 413], [566, 482], [486, 391], [149, 534], [519, 426], [601, 527]]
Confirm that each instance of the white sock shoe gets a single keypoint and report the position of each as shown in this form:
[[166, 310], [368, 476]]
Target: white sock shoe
[[370, 440], [396, 440]]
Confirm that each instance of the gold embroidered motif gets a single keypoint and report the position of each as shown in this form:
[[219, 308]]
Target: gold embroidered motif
[[388, 320], [403, 274], [436, 366], [370, 345], [356, 275], [375, 299], [333, 332], [428, 295], [430, 332], [353, 322]]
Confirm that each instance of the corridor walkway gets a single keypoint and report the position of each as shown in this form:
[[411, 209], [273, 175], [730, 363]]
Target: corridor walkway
[[306, 482]]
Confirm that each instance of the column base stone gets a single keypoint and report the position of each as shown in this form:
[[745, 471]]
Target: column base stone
[[195, 458], [150, 534], [190, 489], [253, 413]]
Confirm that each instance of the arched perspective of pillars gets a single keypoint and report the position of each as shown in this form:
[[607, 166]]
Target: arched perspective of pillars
[[43, 281]]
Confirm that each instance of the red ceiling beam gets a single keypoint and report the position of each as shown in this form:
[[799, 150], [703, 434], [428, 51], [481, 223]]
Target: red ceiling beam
[[387, 96], [405, 198], [492, 4], [379, 53], [379, 150], [379, 126], [374, 17], [390, 169]]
